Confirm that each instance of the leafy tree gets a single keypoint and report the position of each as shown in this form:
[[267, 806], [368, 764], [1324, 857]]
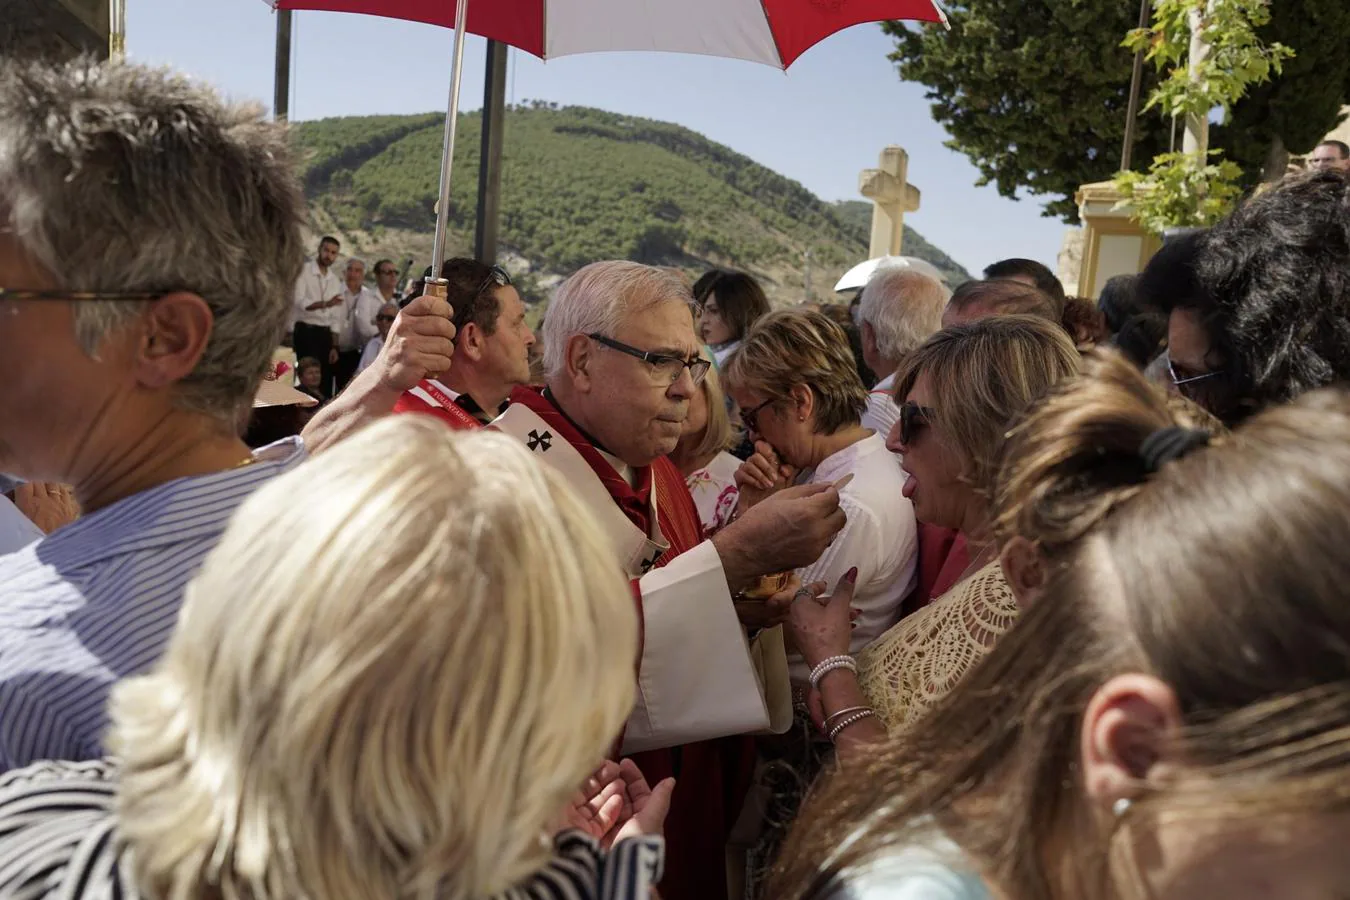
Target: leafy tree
[[1035, 92]]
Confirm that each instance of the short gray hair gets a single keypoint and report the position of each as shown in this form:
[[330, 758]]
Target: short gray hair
[[354, 260], [599, 297], [122, 178], [904, 308]]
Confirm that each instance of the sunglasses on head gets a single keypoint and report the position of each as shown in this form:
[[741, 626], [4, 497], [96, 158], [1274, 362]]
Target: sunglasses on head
[[496, 277], [912, 418]]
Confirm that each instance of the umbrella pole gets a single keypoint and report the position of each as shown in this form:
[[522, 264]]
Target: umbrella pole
[[451, 124]]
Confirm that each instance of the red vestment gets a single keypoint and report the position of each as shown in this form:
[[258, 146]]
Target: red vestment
[[440, 404], [712, 776]]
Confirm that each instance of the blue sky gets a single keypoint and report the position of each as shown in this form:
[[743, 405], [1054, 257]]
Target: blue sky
[[820, 123]]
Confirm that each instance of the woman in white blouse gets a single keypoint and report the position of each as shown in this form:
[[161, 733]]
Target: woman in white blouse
[[802, 401]]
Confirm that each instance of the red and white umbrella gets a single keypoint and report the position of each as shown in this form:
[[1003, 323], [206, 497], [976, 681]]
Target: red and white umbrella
[[774, 32]]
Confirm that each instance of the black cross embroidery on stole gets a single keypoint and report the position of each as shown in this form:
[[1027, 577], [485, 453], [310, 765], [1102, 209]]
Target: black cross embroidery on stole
[[542, 442]]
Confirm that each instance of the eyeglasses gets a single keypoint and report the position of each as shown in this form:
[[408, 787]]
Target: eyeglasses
[[665, 369], [750, 417], [384, 318], [1180, 382], [912, 418], [386, 271], [20, 294], [496, 277]]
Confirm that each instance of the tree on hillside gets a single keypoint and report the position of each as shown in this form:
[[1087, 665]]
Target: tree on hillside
[[1034, 92]]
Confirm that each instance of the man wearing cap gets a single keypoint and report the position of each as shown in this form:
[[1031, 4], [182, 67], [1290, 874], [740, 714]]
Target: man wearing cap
[[128, 359]]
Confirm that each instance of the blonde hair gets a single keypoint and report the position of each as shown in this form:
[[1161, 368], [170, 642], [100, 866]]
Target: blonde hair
[[797, 346], [370, 694], [982, 376], [1222, 573], [718, 434]]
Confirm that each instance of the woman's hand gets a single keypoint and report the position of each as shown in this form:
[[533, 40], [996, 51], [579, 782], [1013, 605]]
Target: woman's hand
[[598, 807], [761, 475], [821, 626], [48, 506], [646, 807]]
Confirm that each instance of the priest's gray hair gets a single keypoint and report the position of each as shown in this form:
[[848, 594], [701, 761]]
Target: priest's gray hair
[[123, 178], [599, 298], [904, 308], [341, 720]]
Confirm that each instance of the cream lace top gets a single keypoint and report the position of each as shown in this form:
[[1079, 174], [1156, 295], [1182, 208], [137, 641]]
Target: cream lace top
[[907, 670]]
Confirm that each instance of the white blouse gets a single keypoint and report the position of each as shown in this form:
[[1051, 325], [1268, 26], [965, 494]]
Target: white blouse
[[880, 538]]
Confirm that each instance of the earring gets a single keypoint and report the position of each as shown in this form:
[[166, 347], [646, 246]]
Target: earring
[[1121, 806]]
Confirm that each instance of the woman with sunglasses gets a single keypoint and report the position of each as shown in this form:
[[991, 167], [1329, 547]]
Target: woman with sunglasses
[[959, 393]]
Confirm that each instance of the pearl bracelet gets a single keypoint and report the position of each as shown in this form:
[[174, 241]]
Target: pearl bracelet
[[851, 720], [841, 713], [829, 664]]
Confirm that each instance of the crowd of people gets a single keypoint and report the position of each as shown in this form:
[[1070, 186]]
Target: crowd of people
[[309, 589]]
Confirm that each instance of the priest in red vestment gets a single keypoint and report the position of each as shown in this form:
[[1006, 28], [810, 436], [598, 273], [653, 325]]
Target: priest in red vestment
[[621, 364], [491, 353]]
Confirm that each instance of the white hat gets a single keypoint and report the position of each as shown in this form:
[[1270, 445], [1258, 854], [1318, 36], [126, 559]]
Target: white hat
[[277, 388], [857, 277]]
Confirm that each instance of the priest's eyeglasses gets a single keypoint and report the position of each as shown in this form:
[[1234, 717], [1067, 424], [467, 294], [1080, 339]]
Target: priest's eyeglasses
[[665, 369]]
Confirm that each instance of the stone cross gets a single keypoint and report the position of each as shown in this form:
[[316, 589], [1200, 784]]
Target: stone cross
[[892, 196]]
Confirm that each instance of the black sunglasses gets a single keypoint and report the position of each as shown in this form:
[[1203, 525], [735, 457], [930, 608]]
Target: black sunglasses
[[912, 418], [384, 318]]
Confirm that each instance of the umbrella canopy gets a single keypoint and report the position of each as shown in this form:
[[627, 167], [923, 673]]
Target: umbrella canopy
[[774, 32]]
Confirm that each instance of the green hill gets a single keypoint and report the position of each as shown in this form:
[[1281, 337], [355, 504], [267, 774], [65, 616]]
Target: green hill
[[579, 185]]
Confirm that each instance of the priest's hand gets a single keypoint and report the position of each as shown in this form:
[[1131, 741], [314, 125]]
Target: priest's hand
[[761, 475], [420, 344], [785, 531]]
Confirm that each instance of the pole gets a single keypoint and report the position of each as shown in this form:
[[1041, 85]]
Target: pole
[[1196, 138], [451, 125], [117, 29], [1136, 80], [490, 154], [281, 83]]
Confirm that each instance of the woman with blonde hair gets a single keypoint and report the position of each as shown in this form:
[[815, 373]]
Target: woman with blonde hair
[[1170, 718], [346, 719], [703, 453], [959, 393], [802, 401]]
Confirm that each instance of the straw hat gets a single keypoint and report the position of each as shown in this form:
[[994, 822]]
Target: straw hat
[[277, 385]]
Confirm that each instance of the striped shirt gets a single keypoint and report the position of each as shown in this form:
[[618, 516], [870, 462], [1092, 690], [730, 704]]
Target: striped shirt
[[58, 839], [97, 600]]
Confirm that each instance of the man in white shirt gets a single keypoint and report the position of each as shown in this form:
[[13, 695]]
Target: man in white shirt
[[316, 314], [900, 309], [384, 319], [359, 306]]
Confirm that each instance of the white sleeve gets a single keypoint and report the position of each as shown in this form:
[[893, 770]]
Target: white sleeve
[[363, 321], [696, 681], [297, 303]]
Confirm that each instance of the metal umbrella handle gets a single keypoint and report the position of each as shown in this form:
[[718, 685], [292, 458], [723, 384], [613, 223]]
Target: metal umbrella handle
[[448, 154]]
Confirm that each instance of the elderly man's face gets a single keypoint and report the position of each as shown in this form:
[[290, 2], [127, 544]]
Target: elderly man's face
[[636, 416], [356, 275], [56, 400]]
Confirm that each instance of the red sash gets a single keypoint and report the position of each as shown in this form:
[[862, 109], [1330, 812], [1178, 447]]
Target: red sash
[[442, 406], [713, 776]]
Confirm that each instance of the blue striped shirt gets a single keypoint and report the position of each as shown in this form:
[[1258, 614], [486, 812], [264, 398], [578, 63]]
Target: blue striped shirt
[[97, 601]]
